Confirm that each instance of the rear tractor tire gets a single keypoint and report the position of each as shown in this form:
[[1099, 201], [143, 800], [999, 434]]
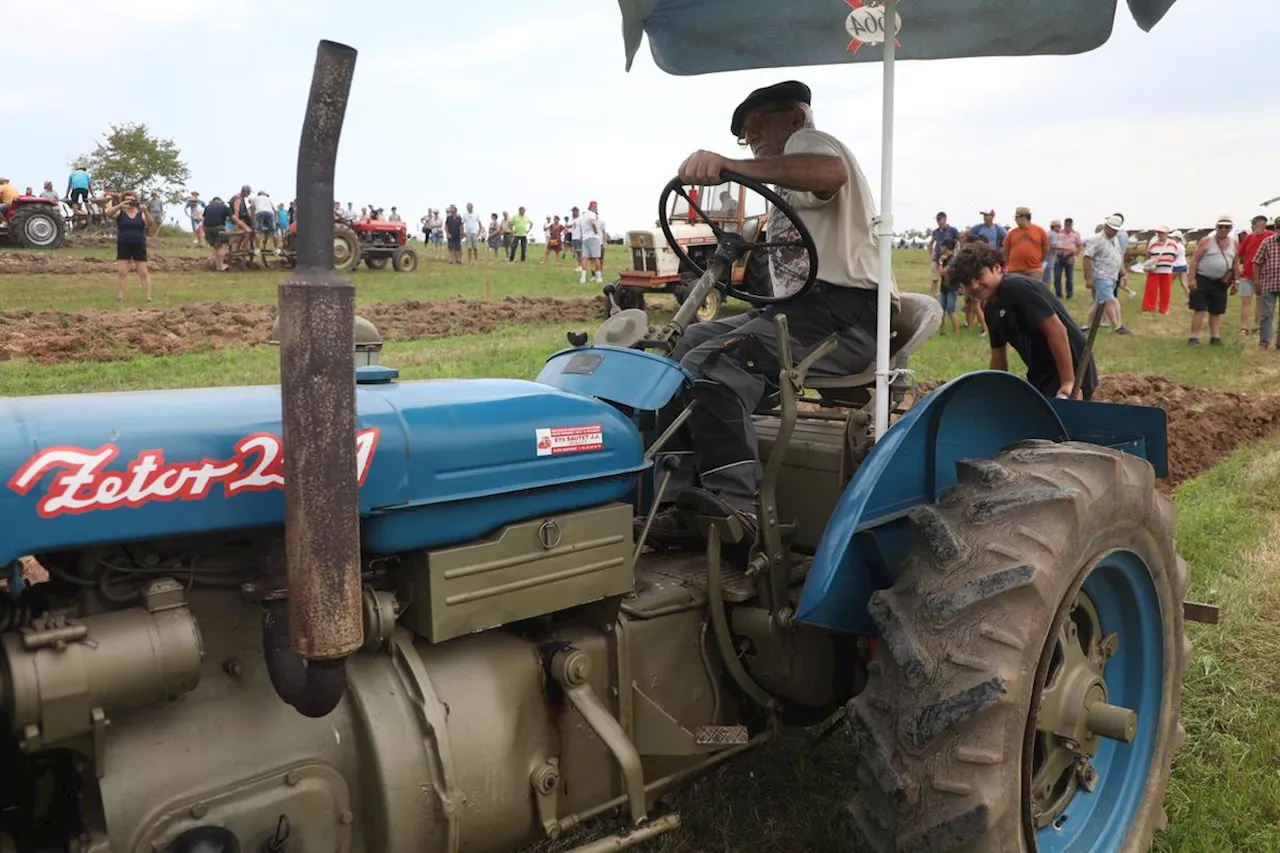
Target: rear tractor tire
[[346, 249], [405, 259], [1031, 651], [34, 227]]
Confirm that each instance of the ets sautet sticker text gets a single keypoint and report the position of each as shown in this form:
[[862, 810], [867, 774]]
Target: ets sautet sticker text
[[579, 439]]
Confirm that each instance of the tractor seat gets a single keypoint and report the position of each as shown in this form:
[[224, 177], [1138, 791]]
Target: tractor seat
[[918, 318]]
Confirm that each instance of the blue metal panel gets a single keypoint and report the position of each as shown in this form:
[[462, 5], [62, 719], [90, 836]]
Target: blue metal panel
[[628, 377], [1140, 430], [976, 415], [170, 463]]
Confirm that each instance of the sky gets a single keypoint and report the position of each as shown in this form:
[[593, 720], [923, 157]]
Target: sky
[[506, 104]]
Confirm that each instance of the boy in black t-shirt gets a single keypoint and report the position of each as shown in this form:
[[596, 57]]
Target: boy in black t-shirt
[[1023, 313]]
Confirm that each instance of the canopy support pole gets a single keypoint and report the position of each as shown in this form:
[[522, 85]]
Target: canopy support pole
[[884, 232]]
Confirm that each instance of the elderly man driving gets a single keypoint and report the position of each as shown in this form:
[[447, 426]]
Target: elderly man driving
[[736, 361]]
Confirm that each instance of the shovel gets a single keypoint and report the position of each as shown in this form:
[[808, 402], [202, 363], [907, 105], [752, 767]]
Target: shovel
[[1083, 363]]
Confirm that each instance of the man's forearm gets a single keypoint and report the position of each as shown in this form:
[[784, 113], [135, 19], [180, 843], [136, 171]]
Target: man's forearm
[[1060, 346], [822, 174], [999, 359]]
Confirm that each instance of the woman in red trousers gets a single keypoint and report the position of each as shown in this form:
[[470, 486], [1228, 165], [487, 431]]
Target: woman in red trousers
[[1161, 253]]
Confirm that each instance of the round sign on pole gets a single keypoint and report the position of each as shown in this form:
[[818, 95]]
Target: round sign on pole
[[865, 24]]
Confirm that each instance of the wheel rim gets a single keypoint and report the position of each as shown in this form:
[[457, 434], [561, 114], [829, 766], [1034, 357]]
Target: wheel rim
[[710, 307], [1084, 691], [41, 230], [341, 252]]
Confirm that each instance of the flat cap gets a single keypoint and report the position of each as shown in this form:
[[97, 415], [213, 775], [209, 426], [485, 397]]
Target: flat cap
[[792, 91]]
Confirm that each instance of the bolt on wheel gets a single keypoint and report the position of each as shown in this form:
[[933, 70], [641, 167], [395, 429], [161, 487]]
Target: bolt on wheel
[[1094, 733]]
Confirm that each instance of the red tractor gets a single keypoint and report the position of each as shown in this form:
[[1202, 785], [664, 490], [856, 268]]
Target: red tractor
[[375, 241], [33, 223]]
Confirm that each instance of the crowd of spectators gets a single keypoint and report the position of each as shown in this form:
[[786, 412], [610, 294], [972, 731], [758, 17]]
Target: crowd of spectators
[[467, 237], [1208, 270]]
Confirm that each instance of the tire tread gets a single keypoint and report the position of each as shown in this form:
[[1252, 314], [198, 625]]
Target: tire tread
[[945, 703]]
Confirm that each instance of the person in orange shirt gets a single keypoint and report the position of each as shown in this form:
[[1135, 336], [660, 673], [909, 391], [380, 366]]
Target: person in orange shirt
[[8, 192], [1026, 246]]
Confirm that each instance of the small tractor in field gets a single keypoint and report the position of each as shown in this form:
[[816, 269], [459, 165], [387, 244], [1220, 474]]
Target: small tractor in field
[[658, 268], [33, 223], [351, 614], [376, 242]]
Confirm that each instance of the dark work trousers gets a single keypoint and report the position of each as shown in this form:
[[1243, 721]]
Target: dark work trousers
[[523, 243], [1068, 266], [735, 363]]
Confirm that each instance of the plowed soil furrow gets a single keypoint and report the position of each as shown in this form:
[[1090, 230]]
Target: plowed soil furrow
[[49, 337], [41, 263], [1205, 425]]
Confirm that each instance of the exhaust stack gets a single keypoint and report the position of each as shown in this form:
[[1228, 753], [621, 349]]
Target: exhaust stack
[[317, 384]]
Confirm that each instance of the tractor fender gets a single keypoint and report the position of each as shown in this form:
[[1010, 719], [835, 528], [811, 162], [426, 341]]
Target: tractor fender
[[974, 416]]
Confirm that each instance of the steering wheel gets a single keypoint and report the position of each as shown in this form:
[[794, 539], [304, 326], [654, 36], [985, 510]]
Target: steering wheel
[[731, 247]]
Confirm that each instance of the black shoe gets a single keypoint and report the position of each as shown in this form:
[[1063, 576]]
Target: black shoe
[[1215, 342], [671, 530], [703, 502], [1193, 342], [1121, 330]]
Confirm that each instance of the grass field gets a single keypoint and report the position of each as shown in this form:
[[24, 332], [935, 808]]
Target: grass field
[[1157, 346], [1225, 795]]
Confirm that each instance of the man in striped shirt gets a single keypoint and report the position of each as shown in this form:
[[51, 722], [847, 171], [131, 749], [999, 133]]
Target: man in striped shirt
[[1266, 280]]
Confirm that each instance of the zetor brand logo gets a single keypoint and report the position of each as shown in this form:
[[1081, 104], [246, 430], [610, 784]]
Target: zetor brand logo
[[81, 482]]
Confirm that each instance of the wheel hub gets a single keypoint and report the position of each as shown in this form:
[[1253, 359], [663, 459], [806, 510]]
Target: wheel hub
[[40, 229], [341, 252], [709, 308], [1074, 715]]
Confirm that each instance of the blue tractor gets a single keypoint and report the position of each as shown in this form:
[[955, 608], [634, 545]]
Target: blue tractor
[[391, 616]]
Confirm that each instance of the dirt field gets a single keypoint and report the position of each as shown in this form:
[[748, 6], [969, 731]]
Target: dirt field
[[39, 263], [1204, 425], [54, 336]]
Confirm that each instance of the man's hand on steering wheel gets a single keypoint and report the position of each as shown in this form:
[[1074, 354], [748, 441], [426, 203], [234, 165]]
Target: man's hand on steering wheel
[[702, 168], [706, 168]]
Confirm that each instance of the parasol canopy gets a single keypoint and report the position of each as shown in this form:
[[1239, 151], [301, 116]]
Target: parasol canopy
[[706, 36]]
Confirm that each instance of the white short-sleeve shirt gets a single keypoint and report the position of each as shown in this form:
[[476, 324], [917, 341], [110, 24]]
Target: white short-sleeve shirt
[[841, 226]]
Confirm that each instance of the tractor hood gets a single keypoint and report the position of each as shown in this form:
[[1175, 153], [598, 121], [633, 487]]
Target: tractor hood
[[438, 462], [684, 232]]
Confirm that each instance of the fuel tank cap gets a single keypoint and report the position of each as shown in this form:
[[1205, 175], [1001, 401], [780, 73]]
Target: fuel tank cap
[[375, 374]]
